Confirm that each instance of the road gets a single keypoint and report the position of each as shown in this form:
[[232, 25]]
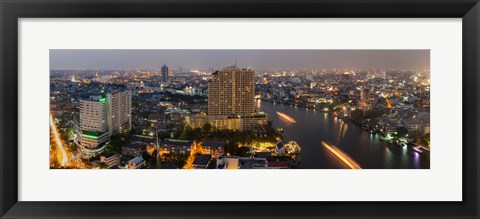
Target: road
[[58, 141], [197, 149]]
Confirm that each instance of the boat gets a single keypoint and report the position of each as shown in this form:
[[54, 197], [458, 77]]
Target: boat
[[424, 149], [293, 147], [294, 150], [417, 149]]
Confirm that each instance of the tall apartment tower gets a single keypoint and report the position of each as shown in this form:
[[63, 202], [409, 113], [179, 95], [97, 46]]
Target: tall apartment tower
[[231, 91], [164, 71], [231, 101], [102, 116], [346, 77], [120, 109], [93, 128]]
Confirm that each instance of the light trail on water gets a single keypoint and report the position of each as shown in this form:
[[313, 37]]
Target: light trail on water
[[286, 117], [342, 156]]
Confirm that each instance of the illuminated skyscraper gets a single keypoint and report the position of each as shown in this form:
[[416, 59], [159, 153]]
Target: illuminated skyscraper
[[119, 108], [231, 91], [102, 116], [164, 71], [92, 132], [346, 77], [364, 102], [231, 101]]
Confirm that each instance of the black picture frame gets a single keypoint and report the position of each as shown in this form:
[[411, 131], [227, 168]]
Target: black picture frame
[[12, 10]]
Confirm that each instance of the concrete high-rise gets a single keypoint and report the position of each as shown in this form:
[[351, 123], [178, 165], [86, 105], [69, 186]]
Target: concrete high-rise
[[164, 72], [231, 101], [119, 108], [231, 91], [102, 116], [93, 126]]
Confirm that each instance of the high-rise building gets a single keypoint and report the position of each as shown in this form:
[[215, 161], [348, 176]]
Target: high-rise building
[[231, 101], [346, 77], [231, 91], [102, 116], [119, 108], [363, 103], [164, 71], [93, 128], [383, 74]]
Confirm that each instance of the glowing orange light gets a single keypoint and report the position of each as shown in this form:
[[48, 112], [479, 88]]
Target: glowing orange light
[[342, 156], [388, 101], [287, 117], [58, 141]]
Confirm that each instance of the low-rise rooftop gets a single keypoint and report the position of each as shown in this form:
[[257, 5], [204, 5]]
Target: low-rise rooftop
[[177, 142], [136, 160], [213, 143], [202, 160]]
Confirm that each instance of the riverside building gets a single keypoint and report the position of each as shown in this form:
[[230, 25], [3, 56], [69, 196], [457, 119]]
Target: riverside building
[[231, 101]]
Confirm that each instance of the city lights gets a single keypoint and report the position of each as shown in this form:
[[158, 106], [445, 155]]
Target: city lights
[[269, 110]]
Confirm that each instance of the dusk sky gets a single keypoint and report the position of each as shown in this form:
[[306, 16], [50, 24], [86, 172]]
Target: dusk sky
[[260, 59]]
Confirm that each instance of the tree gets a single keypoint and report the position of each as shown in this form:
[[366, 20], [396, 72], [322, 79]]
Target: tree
[[186, 133], [149, 159], [426, 140], [163, 135], [230, 147], [207, 127], [357, 115], [417, 135], [103, 166], [241, 151], [73, 146], [182, 160], [371, 114], [116, 143], [401, 132]]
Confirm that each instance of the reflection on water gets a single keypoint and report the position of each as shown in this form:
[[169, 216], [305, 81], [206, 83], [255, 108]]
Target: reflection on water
[[314, 126]]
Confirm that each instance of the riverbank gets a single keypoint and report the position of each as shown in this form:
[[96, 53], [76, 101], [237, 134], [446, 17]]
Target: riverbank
[[314, 126]]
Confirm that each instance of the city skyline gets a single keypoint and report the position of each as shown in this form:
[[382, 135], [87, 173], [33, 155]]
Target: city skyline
[[234, 116], [257, 59]]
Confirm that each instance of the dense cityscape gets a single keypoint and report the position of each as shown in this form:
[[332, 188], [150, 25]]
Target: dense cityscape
[[239, 117]]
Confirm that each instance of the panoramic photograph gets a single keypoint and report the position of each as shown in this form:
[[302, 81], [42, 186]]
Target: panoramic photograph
[[239, 109]]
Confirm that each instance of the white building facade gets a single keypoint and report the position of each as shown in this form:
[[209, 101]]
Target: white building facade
[[102, 116]]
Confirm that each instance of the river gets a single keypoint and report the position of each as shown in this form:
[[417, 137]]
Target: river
[[314, 126]]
